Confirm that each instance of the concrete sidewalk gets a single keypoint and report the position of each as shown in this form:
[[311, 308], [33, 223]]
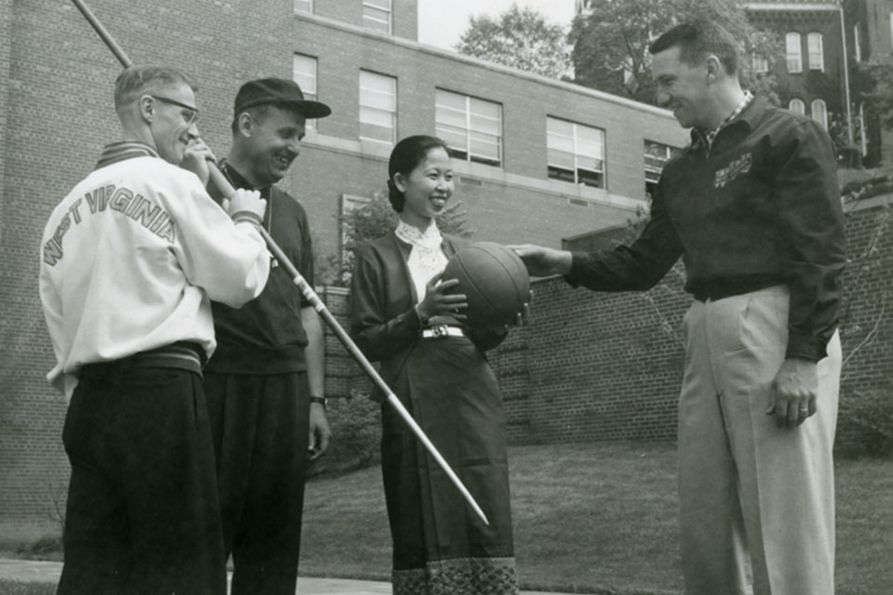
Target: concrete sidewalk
[[48, 572]]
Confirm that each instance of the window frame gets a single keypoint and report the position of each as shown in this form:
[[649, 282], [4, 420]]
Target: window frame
[[309, 95], [468, 155], [815, 56], [373, 5], [577, 179], [393, 114], [819, 102], [857, 40], [795, 67], [800, 102], [308, 10], [759, 64]]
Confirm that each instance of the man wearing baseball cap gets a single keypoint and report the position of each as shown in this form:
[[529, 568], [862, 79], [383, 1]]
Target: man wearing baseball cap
[[264, 385]]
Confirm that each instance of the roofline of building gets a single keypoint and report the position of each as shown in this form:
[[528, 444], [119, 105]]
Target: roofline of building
[[792, 6], [457, 57]]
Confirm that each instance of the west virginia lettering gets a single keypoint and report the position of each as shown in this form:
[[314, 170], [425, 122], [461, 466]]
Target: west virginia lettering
[[121, 200]]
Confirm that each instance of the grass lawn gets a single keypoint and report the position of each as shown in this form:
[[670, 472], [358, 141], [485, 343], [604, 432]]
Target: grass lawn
[[588, 518], [594, 518], [19, 588]]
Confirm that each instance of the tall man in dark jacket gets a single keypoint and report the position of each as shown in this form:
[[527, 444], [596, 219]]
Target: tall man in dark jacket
[[753, 208], [265, 383]]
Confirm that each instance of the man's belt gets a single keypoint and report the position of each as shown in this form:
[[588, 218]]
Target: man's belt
[[442, 331], [717, 289], [182, 355]]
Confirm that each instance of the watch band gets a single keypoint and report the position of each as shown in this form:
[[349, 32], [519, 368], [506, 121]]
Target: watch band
[[321, 400]]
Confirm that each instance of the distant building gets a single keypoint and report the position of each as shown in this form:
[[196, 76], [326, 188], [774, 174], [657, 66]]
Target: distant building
[[869, 33]]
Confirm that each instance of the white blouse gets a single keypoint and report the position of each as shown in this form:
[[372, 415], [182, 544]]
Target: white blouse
[[426, 259]]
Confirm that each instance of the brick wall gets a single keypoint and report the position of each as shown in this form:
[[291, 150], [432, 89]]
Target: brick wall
[[600, 366], [607, 366]]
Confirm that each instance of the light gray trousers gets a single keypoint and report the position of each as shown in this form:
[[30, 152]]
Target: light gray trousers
[[756, 501]]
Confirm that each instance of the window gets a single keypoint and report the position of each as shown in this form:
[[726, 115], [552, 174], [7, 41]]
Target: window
[[819, 112], [815, 51], [857, 42], [575, 153], [797, 106], [378, 107], [793, 52], [304, 6], [304, 73], [471, 127], [760, 64], [863, 139], [656, 156], [377, 15]]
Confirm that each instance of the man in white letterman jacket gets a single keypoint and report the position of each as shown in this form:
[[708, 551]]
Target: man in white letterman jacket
[[130, 260]]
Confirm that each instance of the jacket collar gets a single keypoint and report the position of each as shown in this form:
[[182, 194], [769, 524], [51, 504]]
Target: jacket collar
[[123, 150], [748, 118]]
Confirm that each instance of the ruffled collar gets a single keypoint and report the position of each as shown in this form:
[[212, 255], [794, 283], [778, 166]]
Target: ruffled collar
[[429, 239]]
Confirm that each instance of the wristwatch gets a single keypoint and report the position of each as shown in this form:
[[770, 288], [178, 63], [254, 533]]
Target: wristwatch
[[321, 400]]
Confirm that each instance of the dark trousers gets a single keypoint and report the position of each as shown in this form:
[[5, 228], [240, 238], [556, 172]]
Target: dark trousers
[[260, 426], [142, 515]]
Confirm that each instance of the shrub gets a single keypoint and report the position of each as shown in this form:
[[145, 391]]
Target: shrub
[[869, 418]]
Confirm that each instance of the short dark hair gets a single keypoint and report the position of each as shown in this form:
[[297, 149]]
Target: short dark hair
[[259, 112], [696, 40], [405, 156], [136, 80]]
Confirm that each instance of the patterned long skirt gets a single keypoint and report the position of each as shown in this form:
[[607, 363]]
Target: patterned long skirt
[[441, 547]]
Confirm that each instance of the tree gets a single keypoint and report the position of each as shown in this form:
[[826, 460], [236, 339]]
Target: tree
[[520, 38], [610, 45], [376, 218], [878, 88]]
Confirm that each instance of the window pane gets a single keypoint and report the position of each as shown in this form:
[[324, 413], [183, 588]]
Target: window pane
[[565, 175], [590, 178], [304, 73], [376, 19], [819, 112], [797, 106], [378, 106], [563, 127], [563, 159], [793, 52], [469, 125], [455, 138], [816, 53], [578, 148]]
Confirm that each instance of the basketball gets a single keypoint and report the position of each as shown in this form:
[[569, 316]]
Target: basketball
[[495, 281]]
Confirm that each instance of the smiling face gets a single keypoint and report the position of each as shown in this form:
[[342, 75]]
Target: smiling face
[[681, 87], [427, 188], [172, 119], [270, 140]]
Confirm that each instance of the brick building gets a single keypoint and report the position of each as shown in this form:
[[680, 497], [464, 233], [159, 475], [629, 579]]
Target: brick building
[[537, 159], [869, 31]]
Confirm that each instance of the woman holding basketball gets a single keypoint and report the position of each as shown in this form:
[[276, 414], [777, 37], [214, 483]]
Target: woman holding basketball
[[410, 321]]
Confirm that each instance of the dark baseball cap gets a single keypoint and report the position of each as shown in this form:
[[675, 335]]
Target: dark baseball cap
[[275, 90]]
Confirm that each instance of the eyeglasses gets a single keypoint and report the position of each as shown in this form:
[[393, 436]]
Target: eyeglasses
[[192, 112]]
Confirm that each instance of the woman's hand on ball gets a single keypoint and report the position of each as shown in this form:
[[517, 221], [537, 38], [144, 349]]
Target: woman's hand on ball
[[440, 302]]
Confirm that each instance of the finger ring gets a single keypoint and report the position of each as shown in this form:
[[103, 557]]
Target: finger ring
[[804, 410]]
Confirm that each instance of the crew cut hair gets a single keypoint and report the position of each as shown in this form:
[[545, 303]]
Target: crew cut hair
[[136, 80], [698, 39]]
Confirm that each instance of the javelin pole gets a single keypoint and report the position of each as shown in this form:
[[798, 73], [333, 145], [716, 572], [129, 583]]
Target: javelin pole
[[228, 191]]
